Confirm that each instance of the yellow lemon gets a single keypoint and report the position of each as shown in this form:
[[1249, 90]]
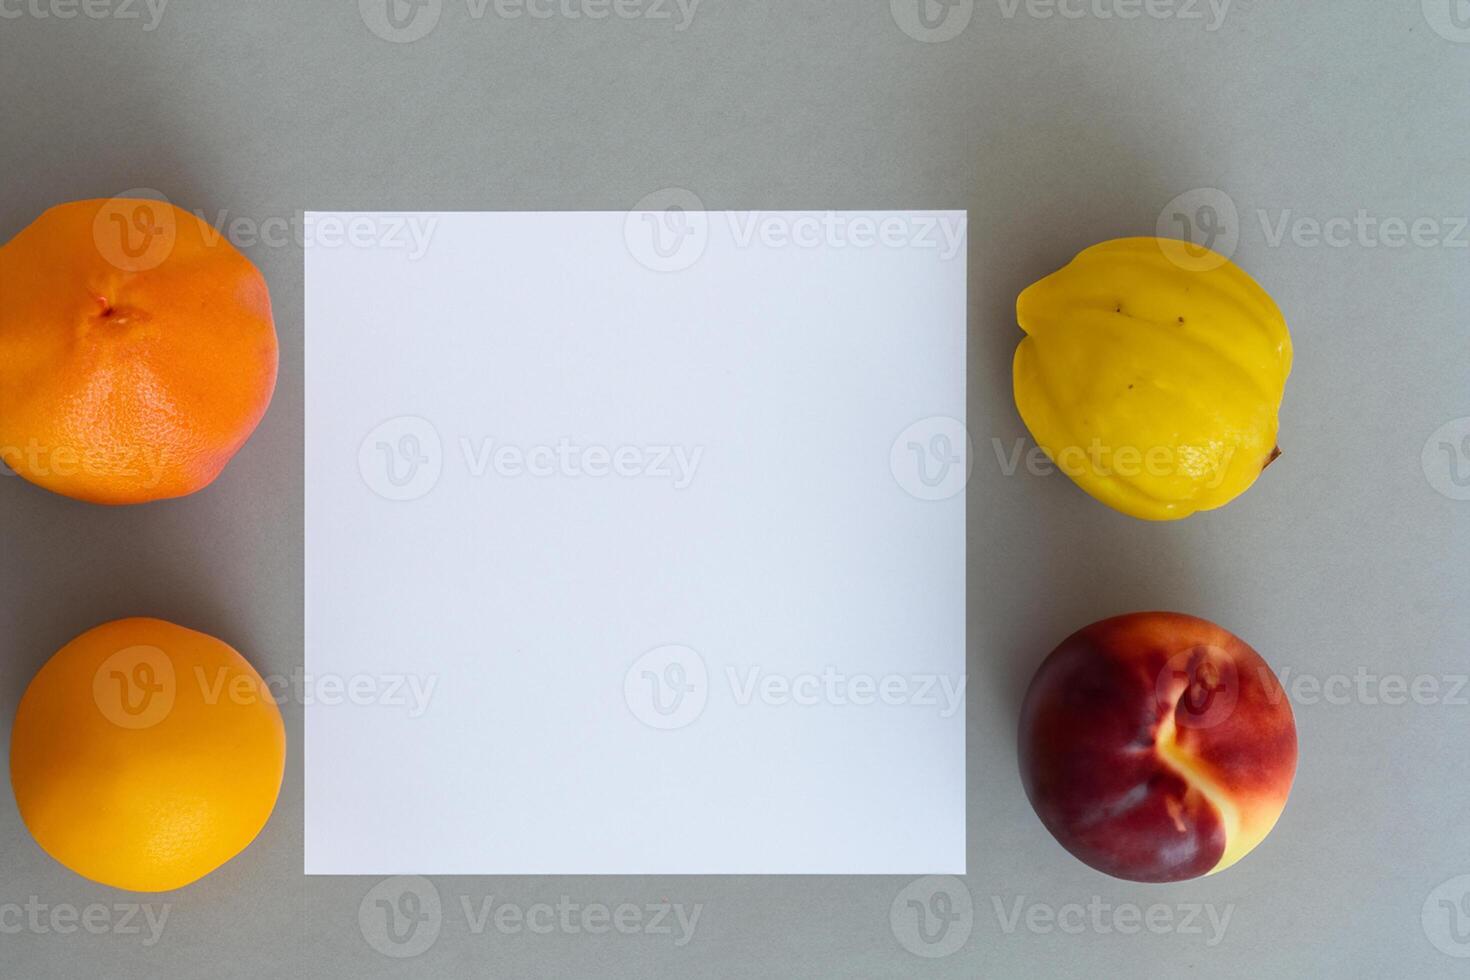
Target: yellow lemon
[[145, 755], [1152, 373]]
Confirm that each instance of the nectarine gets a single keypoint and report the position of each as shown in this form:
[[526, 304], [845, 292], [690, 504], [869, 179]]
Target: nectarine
[[1157, 746]]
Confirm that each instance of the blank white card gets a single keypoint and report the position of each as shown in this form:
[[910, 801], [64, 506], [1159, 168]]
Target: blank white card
[[635, 542]]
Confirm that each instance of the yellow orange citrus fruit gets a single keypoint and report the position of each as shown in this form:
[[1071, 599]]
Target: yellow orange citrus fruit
[[145, 755], [137, 351], [1152, 373]]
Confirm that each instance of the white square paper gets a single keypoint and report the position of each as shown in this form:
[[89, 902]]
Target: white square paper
[[635, 543]]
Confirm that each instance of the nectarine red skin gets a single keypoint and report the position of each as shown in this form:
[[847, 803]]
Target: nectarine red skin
[[1157, 746]]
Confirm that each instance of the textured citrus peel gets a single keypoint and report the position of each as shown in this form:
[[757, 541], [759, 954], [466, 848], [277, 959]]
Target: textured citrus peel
[[1126, 348]]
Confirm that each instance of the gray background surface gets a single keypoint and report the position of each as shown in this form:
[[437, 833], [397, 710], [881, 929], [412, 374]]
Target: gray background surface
[[1055, 132]]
